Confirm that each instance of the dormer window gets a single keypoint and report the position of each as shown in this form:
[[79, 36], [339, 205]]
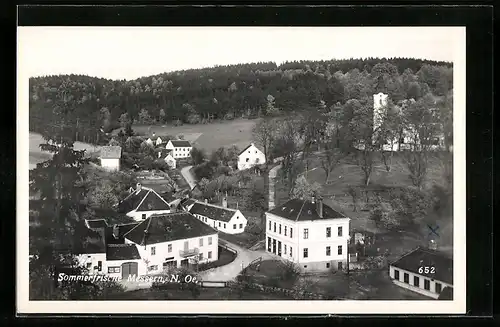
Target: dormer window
[[247, 160]]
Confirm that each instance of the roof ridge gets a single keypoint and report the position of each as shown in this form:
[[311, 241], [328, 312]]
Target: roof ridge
[[406, 254], [120, 245], [216, 206], [158, 195], [143, 198], [146, 230], [139, 224], [300, 211]]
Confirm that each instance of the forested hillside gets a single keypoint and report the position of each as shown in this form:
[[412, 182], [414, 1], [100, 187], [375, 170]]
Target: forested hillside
[[226, 92]]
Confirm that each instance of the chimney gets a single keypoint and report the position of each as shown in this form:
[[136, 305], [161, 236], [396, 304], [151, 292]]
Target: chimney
[[115, 231], [224, 202], [154, 134], [138, 187], [236, 205], [313, 199], [159, 154], [206, 200], [319, 207]]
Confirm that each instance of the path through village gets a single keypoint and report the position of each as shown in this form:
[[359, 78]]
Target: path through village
[[186, 173]]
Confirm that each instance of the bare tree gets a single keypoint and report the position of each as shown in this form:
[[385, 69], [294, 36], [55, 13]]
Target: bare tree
[[264, 134], [331, 157]]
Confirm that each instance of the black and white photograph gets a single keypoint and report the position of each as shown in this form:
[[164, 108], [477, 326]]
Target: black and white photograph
[[194, 169]]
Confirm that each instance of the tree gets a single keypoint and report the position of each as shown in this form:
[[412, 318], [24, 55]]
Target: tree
[[331, 157], [103, 196], [264, 133], [271, 109], [162, 115], [197, 156], [303, 190], [105, 117], [125, 121], [144, 117]]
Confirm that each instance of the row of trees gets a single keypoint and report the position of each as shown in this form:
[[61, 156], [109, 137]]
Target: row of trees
[[226, 92]]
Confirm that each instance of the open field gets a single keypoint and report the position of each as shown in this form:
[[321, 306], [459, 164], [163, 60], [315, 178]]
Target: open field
[[36, 155], [206, 136]]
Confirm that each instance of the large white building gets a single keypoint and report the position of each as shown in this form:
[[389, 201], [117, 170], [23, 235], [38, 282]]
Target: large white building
[[147, 247], [180, 148], [250, 156], [309, 233], [110, 157], [143, 202], [221, 218], [424, 271]]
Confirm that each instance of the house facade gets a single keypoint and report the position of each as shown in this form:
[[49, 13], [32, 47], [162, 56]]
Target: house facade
[[424, 271], [309, 233], [148, 247], [167, 156], [142, 203], [180, 148], [110, 157], [221, 218], [250, 156]]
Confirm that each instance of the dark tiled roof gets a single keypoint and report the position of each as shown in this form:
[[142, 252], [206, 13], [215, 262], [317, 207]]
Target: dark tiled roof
[[111, 216], [241, 152], [168, 227], [446, 293], [181, 143], [96, 223], [145, 200], [168, 196], [421, 257], [111, 152], [90, 241], [212, 212], [302, 210], [122, 230], [122, 252]]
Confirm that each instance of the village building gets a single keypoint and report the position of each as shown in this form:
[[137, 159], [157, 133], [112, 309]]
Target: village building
[[110, 157], [425, 271], [147, 247], [167, 156], [143, 202], [180, 148], [221, 218], [309, 233], [250, 156]]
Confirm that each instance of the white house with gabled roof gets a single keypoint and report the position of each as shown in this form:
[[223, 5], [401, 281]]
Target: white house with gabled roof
[[143, 202], [222, 218], [250, 156], [309, 233], [180, 148], [110, 157]]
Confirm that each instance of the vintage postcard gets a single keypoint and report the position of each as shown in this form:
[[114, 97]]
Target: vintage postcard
[[176, 170]]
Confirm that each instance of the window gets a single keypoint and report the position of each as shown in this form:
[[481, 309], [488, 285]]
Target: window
[[416, 281], [327, 265], [406, 278], [305, 266], [99, 265], [247, 160], [143, 216], [209, 254], [201, 241], [269, 225], [285, 230], [89, 264], [438, 287], [219, 223], [427, 284], [280, 229], [306, 233], [339, 250], [210, 240], [112, 270], [274, 228], [396, 274], [328, 232], [201, 256], [284, 247], [339, 231], [224, 225], [340, 265], [241, 225], [257, 160], [153, 250], [153, 268], [291, 232], [328, 250], [306, 252], [234, 226], [169, 248], [291, 251], [269, 244]]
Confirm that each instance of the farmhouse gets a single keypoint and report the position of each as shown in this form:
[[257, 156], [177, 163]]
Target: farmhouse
[[309, 233], [160, 241], [222, 218], [424, 271], [110, 157], [180, 148], [142, 203], [167, 156], [250, 157]]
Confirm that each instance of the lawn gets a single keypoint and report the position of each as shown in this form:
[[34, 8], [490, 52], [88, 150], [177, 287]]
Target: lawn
[[245, 239], [206, 136], [205, 294]]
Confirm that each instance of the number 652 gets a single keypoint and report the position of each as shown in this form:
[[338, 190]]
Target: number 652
[[426, 270]]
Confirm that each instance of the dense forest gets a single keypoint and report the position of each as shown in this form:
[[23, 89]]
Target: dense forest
[[93, 106]]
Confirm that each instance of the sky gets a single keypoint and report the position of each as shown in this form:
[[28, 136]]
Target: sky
[[132, 52]]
